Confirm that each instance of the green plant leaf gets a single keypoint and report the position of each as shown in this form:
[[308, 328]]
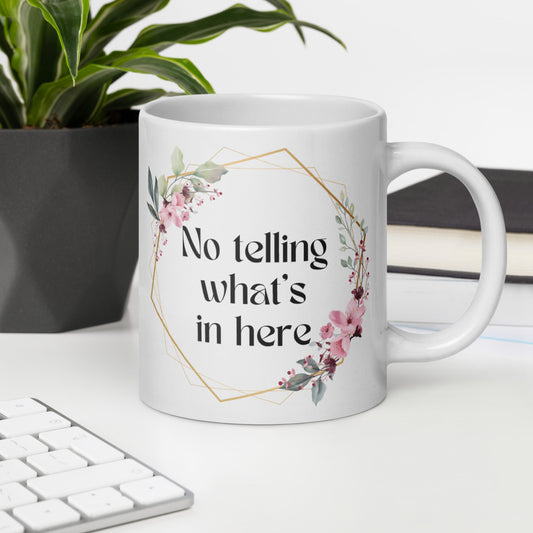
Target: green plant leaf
[[344, 263], [338, 219], [311, 366], [160, 36], [74, 106], [151, 185], [318, 391], [156, 195], [210, 171], [285, 6], [127, 98], [162, 185], [198, 185], [342, 238], [35, 51], [297, 382], [176, 161], [68, 18], [11, 111], [152, 211], [110, 20]]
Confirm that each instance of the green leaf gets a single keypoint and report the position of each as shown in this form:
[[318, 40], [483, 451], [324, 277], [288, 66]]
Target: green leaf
[[342, 238], [35, 49], [110, 20], [285, 6], [156, 195], [160, 36], [176, 161], [151, 185], [162, 185], [311, 366], [210, 171], [68, 18], [198, 185], [11, 111], [338, 219], [318, 391], [74, 106], [152, 211], [297, 382], [342, 195], [127, 98], [344, 263], [352, 208], [350, 261]]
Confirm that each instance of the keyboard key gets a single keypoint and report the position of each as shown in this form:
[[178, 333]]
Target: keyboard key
[[13, 495], [90, 478], [63, 438], [9, 525], [19, 447], [20, 407], [32, 424], [153, 490], [56, 461], [95, 450], [45, 515], [100, 502], [15, 470], [82, 442]]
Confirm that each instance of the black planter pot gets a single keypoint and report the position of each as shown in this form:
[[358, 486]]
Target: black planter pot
[[68, 226]]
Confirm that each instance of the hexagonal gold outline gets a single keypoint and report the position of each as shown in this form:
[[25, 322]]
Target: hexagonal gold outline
[[155, 250]]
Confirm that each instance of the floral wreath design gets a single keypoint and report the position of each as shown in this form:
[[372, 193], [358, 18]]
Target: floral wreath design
[[176, 197], [337, 335]]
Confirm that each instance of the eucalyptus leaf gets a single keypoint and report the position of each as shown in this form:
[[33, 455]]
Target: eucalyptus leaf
[[152, 211], [162, 185], [342, 238], [210, 171], [176, 161], [156, 195], [318, 391], [151, 184], [338, 219], [198, 185], [344, 263], [297, 382]]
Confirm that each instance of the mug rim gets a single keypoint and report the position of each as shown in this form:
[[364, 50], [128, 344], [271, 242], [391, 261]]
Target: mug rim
[[373, 110]]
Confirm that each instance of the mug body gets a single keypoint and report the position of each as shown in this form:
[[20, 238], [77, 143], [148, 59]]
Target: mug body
[[262, 257]]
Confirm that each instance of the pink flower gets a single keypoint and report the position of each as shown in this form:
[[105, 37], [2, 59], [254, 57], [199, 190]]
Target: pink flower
[[178, 200], [347, 322], [170, 215], [339, 346], [326, 331]]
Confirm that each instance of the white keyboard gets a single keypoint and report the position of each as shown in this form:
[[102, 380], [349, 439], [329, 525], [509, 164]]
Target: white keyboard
[[57, 476]]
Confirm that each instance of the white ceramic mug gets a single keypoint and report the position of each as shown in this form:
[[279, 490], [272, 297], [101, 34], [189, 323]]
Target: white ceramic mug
[[263, 257]]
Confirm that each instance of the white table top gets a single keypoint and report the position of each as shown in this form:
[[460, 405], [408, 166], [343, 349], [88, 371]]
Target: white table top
[[450, 450]]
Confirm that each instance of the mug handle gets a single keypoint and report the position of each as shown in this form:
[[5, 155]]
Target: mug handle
[[404, 346]]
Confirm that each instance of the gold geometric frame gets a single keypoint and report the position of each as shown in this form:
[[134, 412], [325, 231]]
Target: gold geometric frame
[[155, 295]]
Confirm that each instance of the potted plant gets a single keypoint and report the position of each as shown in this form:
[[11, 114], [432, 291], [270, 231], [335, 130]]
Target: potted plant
[[68, 149]]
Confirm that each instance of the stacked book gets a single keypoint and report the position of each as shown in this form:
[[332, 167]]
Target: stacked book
[[434, 249]]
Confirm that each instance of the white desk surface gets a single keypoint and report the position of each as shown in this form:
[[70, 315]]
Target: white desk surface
[[449, 450]]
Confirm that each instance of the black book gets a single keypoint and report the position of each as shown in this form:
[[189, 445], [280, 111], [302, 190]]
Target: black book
[[433, 226], [434, 248]]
